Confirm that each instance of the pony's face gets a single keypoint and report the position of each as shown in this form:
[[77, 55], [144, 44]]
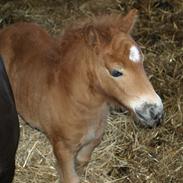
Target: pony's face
[[123, 80], [120, 72]]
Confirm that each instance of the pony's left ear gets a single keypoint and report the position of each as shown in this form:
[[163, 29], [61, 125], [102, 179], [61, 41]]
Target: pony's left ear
[[128, 21], [96, 37]]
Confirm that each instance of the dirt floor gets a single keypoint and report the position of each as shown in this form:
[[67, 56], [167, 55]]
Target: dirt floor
[[128, 153]]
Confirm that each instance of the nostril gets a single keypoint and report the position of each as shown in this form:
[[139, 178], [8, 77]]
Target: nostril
[[139, 113], [152, 113], [156, 116], [155, 113], [158, 122]]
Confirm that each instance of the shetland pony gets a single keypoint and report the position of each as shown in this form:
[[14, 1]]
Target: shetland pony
[[63, 85]]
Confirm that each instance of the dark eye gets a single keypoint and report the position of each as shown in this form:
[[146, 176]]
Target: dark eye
[[116, 73]]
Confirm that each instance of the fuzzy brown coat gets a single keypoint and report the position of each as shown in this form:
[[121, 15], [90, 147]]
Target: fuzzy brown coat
[[63, 85]]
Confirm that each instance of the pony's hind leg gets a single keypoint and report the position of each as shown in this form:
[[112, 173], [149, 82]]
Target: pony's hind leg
[[66, 161]]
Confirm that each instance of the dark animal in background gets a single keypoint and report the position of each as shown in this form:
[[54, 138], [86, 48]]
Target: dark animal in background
[[63, 85], [9, 128]]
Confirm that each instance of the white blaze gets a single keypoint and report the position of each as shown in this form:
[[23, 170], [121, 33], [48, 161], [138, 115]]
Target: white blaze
[[134, 54]]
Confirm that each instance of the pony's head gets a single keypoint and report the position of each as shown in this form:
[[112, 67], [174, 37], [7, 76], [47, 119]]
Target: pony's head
[[119, 70]]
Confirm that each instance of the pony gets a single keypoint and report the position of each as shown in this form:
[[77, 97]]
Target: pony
[[9, 128], [63, 85]]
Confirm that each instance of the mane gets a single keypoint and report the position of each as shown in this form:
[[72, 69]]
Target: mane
[[78, 31], [97, 21], [73, 37]]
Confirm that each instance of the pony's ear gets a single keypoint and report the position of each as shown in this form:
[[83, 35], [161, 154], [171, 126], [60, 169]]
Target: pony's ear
[[128, 21], [91, 36], [96, 36]]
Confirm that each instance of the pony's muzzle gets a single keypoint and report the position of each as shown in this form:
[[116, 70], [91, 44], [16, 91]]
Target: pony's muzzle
[[149, 114]]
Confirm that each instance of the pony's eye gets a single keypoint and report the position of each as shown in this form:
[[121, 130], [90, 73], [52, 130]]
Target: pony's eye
[[116, 73]]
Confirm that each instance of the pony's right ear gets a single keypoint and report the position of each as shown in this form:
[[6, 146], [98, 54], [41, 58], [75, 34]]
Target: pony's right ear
[[129, 20]]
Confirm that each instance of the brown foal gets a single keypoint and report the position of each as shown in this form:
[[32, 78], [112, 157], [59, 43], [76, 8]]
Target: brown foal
[[63, 85]]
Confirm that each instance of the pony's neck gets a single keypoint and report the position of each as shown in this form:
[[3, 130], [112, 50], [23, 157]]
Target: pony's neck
[[78, 75]]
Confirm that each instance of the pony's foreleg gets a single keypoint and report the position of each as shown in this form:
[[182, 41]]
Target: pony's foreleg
[[85, 152], [66, 161]]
